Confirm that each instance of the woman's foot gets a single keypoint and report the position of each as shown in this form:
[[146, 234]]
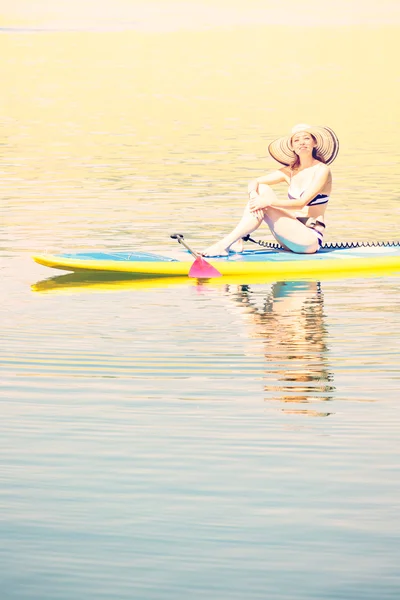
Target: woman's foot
[[216, 250], [237, 246]]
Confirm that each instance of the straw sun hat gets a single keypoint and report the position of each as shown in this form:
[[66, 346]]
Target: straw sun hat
[[327, 144]]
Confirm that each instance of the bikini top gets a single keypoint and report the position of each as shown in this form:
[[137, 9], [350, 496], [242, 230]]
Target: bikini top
[[318, 199]]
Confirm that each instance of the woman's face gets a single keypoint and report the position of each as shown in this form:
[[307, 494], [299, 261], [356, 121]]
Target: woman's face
[[303, 143]]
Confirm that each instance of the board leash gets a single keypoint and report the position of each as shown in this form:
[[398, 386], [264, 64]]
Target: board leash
[[329, 246]]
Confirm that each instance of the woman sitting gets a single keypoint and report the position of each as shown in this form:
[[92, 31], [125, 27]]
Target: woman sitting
[[297, 222]]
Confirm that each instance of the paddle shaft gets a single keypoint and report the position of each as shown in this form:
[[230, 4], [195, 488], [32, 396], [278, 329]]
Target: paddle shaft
[[200, 269], [179, 237]]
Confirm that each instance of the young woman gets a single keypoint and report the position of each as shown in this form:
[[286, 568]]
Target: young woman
[[297, 222]]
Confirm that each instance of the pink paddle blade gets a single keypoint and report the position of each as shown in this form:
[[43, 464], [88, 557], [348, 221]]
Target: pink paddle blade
[[201, 269]]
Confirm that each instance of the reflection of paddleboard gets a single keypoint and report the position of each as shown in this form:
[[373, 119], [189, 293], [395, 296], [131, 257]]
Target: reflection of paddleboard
[[87, 282], [273, 261], [84, 282]]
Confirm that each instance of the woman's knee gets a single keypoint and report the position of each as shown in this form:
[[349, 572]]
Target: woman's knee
[[264, 187]]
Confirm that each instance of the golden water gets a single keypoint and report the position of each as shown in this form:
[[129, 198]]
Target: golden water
[[106, 133], [156, 434]]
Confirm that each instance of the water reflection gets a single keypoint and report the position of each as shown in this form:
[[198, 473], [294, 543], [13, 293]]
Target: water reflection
[[290, 321], [81, 282]]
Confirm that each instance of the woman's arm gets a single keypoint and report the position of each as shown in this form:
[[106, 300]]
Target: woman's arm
[[318, 183], [269, 179]]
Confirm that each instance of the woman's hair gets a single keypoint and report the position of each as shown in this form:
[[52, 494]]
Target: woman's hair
[[315, 153]]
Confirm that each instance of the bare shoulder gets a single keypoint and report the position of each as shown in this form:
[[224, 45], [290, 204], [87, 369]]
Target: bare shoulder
[[286, 172], [323, 172], [323, 168]]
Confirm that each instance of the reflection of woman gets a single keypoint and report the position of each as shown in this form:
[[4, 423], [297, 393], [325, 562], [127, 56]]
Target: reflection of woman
[[297, 222], [291, 325]]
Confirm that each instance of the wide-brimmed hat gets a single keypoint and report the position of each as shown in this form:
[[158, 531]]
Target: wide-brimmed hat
[[327, 144]]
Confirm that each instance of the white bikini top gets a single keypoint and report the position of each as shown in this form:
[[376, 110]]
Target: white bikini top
[[318, 199]]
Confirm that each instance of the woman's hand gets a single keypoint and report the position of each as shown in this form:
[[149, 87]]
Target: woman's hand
[[257, 202], [258, 214]]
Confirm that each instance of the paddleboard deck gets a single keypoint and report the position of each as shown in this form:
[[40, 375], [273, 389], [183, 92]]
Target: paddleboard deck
[[271, 261]]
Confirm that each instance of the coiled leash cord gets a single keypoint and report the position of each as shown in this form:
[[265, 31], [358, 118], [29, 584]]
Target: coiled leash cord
[[330, 246]]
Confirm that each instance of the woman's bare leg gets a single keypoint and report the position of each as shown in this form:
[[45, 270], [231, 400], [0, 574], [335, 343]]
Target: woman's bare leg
[[289, 232], [249, 222], [286, 229]]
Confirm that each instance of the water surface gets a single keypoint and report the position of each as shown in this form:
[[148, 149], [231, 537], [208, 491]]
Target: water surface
[[167, 439]]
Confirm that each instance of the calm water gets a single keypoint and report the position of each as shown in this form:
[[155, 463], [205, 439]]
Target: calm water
[[170, 439]]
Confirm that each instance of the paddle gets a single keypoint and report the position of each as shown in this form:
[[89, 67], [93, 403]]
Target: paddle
[[200, 269]]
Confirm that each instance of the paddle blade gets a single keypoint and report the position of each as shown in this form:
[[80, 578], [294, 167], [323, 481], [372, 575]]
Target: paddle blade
[[201, 269]]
